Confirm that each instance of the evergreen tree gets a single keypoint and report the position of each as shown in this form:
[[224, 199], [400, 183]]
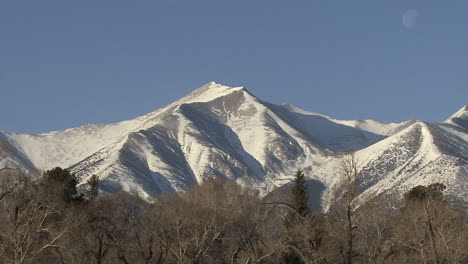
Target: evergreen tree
[[294, 219], [420, 193], [92, 191], [300, 199], [64, 182]]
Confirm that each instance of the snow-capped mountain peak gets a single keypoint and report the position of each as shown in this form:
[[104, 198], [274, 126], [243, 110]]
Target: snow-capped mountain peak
[[223, 131], [460, 118], [208, 92], [462, 112]]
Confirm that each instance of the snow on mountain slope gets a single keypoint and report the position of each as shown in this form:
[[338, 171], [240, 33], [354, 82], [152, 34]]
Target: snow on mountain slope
[[369, 125], [460, 118], [421, 154], [234, 136], [221, 131], [65, 148], [12, 157], [326, 132]]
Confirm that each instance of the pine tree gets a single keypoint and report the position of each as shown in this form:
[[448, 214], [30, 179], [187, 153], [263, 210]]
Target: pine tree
[[295, 219], [420, 193], [64, 181], [92, 191], [300, 199]]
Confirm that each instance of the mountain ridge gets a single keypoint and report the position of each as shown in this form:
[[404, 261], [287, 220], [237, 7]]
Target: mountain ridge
[[222, 131]]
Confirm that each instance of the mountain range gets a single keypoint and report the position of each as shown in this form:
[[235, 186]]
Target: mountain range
[[222, 131]]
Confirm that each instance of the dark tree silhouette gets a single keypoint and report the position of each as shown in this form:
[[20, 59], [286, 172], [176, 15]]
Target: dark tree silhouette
[[300, 199], [92, 191], [63, 182]]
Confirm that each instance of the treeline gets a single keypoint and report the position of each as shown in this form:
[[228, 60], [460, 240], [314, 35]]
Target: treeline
[[49, 221]]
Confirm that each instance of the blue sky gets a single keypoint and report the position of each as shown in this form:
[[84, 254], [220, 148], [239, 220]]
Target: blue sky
[[68, 63]]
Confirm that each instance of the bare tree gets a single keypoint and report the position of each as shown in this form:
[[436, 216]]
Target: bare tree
[[3, 149], [374, 229], [31, 224], [128, 233], [9, 179], [350, 173], [149, 249], [429, 229], [216, 222], [7, 175], [188, 232]]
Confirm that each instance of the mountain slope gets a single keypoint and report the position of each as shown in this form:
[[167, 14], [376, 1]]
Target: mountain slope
[[460, 118], [221, 131], [421, 154]]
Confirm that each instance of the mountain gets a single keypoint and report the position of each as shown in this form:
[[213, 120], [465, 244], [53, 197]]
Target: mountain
[[221, 131], [420, 154], [460, 118]]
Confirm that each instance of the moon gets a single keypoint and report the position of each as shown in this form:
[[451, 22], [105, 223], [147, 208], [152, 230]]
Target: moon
[[409, 18]]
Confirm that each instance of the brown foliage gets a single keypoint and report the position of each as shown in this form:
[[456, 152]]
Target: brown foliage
[[221, 222]]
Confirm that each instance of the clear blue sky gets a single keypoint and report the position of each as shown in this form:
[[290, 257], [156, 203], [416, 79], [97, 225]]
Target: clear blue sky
[[68, 63]]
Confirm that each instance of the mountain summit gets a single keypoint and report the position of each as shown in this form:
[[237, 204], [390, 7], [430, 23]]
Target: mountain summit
[[460, 118], [222, 131]]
